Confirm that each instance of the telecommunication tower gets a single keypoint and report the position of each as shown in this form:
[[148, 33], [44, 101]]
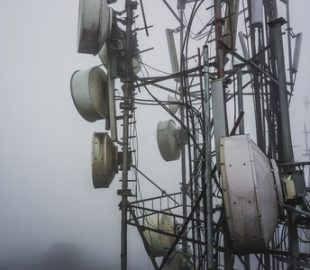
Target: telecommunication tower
[[243, 198]]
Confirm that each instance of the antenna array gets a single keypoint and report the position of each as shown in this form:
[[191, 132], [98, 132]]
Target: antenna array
[[243, 199]]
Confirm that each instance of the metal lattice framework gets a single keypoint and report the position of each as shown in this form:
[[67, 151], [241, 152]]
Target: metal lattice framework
[[237, 47], [256, 75]]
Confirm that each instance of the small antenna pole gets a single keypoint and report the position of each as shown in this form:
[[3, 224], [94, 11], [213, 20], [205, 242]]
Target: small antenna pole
[[181, 7]]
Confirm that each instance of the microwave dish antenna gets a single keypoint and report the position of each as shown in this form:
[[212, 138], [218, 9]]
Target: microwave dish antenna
[[159, 243], [173, 104], [94, 25], [104, 160], [169, 140], [250, 194], [89, 92]]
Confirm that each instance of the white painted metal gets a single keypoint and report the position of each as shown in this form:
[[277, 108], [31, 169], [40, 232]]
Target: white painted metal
[[219, 114], [159, 243], [103, 55], [94, 25], [250, 194], [136, 63], [173, 107], [112, 108], [231, 22], [168, 140], [257, 13], [297, 52], [89, 92], [179, 261], [172, 51], [104, 160], [289, 190], [278, 184], [243, 45], [105, 59]]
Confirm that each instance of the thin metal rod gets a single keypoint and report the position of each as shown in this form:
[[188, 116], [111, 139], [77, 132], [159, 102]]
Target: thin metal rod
[[172, 76], [218, 37], [298, 211], [208, 169], [289, 44], [260, 132], [144, 19], [250, 63], [165, 211], [112, 110], [237, 124], [158, 197], [178, 237], [172, 11], [240, 98]]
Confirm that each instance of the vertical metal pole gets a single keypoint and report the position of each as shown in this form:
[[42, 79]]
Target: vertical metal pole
[[220, 58], [267, 261], [219, 115], [247, 262], [112, 112], [181, 7], [307, 154], [124, 183], [127, 89], [289, 44], [286, 143], [207, 146], [240, 97], [228, 256], [260, 132], [220, 53], [292, 239], [218, 37]]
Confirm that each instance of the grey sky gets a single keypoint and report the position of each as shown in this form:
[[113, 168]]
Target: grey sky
[[46, 194]]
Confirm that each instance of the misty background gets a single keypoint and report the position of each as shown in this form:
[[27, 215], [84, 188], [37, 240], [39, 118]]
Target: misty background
[[49, 211]]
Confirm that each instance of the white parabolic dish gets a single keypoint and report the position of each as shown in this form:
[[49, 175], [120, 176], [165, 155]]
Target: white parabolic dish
[[167, 140], [159, 243], [89, 90], [104, 160], [94, 25], [250, 194]]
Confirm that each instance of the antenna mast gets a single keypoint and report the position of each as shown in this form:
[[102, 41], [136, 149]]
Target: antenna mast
[[128, 89]]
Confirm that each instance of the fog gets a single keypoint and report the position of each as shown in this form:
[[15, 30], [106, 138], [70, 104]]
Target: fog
[[47, 201]]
